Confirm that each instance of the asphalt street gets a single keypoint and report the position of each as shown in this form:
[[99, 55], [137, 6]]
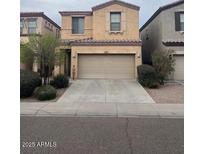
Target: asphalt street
[[101, 135]]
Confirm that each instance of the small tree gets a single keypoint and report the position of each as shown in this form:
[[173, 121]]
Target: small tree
[[44, 50], [163, 62], [26, 55]]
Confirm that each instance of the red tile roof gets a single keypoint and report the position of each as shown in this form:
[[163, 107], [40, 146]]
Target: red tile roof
[[91, 42], [173, 43]]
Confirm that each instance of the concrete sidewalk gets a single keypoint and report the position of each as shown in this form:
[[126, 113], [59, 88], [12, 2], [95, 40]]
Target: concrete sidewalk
[[102, 109]]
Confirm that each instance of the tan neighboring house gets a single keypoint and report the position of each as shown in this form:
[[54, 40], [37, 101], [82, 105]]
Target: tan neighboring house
[[36, 23], [165, 31], [102, 43]]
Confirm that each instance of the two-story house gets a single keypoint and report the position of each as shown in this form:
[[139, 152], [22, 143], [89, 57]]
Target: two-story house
[[165, 31], [36, 23], [102, 43]]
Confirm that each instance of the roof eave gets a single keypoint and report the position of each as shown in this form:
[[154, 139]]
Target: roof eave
[[69, 13]]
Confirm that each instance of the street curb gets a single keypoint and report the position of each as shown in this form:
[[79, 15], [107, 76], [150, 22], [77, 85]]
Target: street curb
[[103, 116]]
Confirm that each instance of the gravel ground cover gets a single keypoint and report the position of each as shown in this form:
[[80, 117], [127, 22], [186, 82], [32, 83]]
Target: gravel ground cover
[[170, 93]]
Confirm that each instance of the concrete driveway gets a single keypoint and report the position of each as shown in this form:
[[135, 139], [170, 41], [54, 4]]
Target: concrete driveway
[[117, 98], [105, 91]]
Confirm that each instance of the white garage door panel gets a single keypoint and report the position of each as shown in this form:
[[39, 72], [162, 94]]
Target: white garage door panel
[[179, 68], [106, 66]]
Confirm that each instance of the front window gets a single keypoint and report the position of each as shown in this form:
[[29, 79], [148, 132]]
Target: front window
[[181, 21], [32, 26], [115, 21], [77, 25], [21, 26]]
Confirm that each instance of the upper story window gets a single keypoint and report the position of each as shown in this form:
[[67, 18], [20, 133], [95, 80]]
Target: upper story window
[[77, 25], [179, 21], [115, 21], [21, 25], [32, 26], [182, 21]]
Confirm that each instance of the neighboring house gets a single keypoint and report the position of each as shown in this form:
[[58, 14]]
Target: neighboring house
[[36, 23], [165, 31], [102, 43]]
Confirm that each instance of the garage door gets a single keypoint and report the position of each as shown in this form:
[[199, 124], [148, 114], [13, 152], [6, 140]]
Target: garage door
[[106, 66], [179, 68]]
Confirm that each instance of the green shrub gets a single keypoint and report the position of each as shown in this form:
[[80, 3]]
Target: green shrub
[[60, 81], [28, 82], [147, 76], [45, 92], [26, 55], [163, 63]]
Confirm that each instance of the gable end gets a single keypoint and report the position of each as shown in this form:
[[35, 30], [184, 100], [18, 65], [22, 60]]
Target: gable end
[[101, 6]]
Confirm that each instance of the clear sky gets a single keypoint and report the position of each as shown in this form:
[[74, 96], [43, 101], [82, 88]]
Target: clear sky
[[52, 7]]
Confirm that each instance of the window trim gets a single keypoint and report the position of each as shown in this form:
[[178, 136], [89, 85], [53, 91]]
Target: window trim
[[83, 33], [120, 23]]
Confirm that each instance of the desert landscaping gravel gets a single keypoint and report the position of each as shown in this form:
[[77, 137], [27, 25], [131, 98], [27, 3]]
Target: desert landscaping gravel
[[170, 93]]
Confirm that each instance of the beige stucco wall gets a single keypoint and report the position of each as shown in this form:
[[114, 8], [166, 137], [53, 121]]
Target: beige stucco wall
[[41, 28], [44, 29], [24, 39], [66, 30], [97, 25], [129, 23], [136, 50], [39, 21]]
